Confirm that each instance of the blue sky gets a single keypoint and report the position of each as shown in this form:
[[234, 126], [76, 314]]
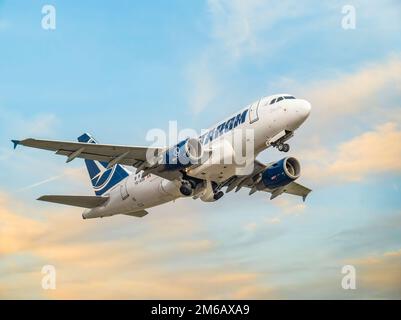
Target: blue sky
[[119, 69]]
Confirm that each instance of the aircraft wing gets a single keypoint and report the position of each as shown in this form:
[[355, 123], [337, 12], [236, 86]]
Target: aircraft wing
[[111, 154], [250, 181]]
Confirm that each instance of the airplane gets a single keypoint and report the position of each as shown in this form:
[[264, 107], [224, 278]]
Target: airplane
[[164, 174]]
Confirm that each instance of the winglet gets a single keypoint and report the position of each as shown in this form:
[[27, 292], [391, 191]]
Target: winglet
[[16, 143]]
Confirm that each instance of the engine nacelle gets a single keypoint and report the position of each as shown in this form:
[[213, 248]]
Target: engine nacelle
[[183, 155], [281, 173]]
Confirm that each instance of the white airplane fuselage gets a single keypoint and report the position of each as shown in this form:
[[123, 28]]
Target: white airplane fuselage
[[269, 122]]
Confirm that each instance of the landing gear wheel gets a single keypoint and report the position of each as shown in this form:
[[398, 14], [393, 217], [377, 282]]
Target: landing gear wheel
[[283, 147], [186, 189], [218, 195]]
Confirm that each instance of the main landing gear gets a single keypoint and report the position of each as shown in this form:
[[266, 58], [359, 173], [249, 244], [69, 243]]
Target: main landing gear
[[188, 187], [284, 147], [218, 195]]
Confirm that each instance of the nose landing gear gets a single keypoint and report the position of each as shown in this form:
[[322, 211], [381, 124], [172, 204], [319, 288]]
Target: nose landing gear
[[278, 141], [190, 188], [284, 147]]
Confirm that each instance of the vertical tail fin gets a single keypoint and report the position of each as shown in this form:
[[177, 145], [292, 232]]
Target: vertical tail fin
[[102, 178]]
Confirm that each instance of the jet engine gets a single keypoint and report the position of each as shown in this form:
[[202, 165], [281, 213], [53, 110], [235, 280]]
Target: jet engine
[[183, 155], [281, 173]]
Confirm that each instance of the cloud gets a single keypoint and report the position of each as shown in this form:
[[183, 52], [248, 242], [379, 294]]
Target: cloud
[[352, 131], [17, 126], [197, 245], [72, 174], [274, 220], [37, 184], [204, 84], [377, 277], [240, 27], [374, 87], [349, 102], [40, 125], [161, 256], [235, 24], [379, 274], [346, 103], [393, 253], [237, 30], [17, 231], [371, 153], [37, 125], [369, 235], [289, 205]]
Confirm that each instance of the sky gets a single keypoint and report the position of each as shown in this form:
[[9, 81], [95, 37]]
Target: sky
[[118, 69]]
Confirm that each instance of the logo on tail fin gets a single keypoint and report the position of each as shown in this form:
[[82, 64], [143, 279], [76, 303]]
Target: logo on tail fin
[[102, 178]]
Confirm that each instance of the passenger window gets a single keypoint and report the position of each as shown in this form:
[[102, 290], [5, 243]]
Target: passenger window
[[273, 101], [279, 99]]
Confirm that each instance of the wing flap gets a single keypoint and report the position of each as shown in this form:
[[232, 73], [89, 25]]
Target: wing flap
[[76, 201]]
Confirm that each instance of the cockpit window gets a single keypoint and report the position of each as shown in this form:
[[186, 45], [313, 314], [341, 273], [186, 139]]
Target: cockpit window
[[281, 98]]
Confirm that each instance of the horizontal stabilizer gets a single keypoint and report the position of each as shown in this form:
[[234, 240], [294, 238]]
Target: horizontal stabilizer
[[138, 214], [76, 201]]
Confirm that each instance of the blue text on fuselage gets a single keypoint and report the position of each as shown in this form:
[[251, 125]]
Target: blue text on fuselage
[[224, 127]]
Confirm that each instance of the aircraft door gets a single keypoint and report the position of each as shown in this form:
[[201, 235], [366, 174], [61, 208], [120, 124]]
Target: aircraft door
[[253, 112]]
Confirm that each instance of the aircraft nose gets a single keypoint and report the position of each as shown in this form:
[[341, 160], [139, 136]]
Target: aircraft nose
[[299, 111], [304, 108]]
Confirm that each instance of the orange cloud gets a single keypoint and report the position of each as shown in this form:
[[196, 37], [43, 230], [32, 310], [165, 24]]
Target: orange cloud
[[379, 273], [370, 153], [364, 90], [366, 98], [16, 231], [94, 260]]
